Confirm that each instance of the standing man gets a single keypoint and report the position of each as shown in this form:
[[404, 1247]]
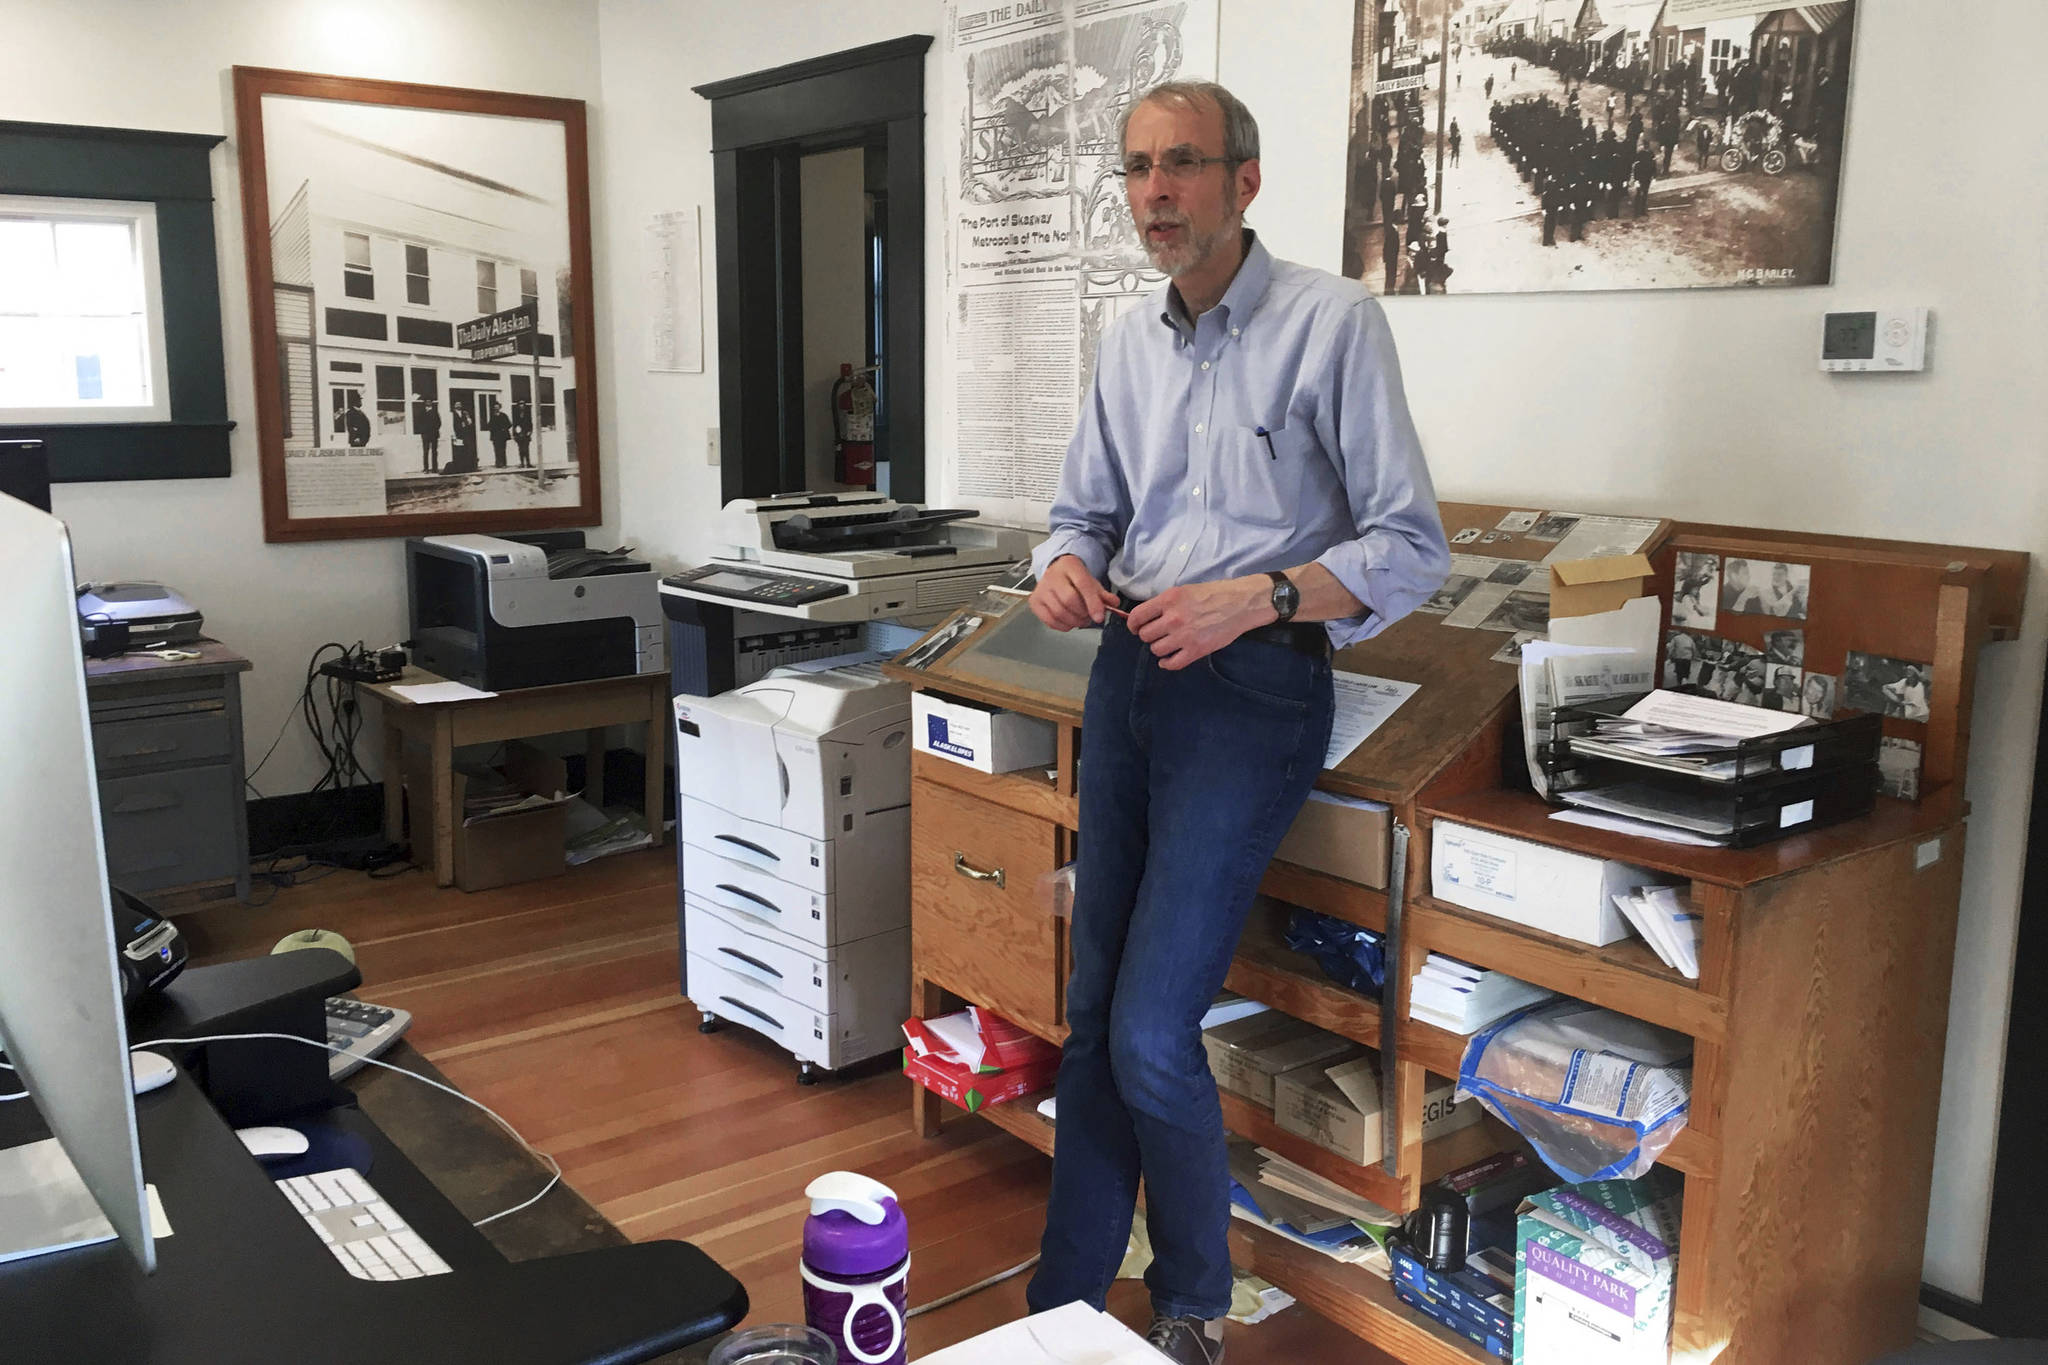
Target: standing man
[[522, 432], [1390, 253], [501, 431], [1246, 482], [355, 423], [1457, 141], [1489, 87], [426, 424]]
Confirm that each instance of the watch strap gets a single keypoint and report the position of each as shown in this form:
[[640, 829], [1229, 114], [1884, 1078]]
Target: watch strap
[[1286, 596]]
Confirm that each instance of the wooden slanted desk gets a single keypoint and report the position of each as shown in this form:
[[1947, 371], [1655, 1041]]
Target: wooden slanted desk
[[443, 727], [1817, 1020]]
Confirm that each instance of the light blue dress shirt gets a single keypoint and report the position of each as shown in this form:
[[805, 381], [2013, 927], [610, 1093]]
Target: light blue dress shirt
[[1270, 432]]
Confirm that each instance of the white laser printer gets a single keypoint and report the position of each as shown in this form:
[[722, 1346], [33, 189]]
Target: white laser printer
[[848, 557], [794, 821], [503, 612]]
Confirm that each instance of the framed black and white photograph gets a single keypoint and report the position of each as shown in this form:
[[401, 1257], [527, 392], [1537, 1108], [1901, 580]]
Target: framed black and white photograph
[[1889, 687], [1817, 696], [1765, 587], [1785, 646], [1532, 145], [1781, 688], [420, 299], [1695, 590], [1898, 768]]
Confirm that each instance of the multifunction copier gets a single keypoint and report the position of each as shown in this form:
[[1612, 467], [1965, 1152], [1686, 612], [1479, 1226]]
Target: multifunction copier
[[526, 611], [794, 819]]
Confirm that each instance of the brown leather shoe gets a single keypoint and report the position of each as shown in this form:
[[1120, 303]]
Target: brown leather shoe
[[1187, 1341]]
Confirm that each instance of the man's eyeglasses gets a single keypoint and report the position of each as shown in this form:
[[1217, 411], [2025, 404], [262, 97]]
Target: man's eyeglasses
[[1174, 165]]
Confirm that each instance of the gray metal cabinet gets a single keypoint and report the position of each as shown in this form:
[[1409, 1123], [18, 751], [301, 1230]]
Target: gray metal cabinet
[[167, 739]]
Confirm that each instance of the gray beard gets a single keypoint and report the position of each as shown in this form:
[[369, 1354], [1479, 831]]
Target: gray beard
[[1175, 261]]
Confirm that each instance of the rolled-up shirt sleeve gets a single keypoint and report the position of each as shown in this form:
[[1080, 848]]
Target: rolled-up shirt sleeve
[[1399, 556], [1092, 509]]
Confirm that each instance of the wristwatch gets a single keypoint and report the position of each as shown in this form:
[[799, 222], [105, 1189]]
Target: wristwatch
[[1286, 597]]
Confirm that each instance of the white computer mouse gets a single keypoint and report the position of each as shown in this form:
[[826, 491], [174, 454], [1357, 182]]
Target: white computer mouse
[[151, 1071], [273, 1144]]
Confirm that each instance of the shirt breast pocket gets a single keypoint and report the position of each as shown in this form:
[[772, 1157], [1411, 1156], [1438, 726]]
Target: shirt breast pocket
[[1259, 473]]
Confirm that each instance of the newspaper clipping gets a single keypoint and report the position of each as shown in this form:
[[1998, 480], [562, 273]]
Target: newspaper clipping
[[1041, 254]]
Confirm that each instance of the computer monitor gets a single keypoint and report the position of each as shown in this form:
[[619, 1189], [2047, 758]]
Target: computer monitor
[[25, 472], [61, 1018]]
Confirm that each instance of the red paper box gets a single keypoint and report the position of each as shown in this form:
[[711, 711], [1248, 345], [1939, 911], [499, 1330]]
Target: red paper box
[[1008, 1045], [953, 1081]]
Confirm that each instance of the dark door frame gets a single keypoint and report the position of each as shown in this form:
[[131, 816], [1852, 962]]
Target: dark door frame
[[761, 126], [2015, 1302]]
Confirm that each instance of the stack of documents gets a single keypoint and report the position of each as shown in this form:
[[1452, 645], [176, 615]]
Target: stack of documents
[[1462, 998], [1300, 1206], [1666, 924]]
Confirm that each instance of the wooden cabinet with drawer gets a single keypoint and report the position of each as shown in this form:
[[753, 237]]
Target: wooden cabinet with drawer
[[167, 740], [978, 930]]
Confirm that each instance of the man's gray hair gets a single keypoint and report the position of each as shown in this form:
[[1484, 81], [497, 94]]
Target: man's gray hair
[[1240, 129]]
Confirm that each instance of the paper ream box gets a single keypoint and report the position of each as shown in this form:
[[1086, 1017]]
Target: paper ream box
[[1595, 1268], [953, 1082], [1468, 1293], [1341, 836], [1246, 1054], [1552, 889], [1005, 1044], [985, 738]]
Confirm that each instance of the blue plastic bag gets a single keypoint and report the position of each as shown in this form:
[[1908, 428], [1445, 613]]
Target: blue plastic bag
[[1349, 954]]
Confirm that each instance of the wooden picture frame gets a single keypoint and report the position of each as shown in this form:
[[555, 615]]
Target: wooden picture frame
[[419, 305]]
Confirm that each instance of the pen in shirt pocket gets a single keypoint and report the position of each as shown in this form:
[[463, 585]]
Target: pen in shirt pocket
[[1267, 437]]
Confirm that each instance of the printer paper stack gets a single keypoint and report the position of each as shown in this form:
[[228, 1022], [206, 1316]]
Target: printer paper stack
[[1462, 998]]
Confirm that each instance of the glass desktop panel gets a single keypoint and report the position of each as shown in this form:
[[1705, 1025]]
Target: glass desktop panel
[[1018, 651]]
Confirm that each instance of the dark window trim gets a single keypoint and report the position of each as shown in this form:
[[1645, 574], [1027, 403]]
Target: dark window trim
[[761, 124], [172, 171]]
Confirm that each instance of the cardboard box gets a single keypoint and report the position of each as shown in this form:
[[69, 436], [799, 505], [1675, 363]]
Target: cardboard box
[[1337, 1107], [1246, 1054], [1342, 836], [1583, 587], [519, 845], [1595, 1266], [1559, 892], [1469, 1293], [986, 738]]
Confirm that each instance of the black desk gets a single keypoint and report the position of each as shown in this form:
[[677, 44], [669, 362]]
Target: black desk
[[243, 1281]]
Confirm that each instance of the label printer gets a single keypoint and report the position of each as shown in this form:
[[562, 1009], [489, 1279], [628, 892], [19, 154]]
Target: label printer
[[530, 610]]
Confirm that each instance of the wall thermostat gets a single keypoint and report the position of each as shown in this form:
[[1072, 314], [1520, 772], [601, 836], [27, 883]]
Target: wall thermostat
[[1861, 343]]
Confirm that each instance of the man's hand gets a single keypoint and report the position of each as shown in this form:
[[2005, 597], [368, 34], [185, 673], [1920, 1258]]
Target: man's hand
[[1195, 620], [1068, 596]]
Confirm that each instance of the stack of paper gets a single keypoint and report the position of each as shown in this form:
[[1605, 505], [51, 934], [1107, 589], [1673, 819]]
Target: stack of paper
[[1462, 998], [1666, 924], [1302, 1207]]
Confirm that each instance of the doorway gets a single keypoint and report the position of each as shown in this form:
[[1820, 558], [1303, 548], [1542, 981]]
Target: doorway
[[765, 128], [461, 432]]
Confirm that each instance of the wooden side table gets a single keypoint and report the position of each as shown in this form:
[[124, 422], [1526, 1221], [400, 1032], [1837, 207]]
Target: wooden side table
[[443, 727]]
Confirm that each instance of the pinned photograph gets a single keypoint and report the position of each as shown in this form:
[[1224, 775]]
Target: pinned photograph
[[1890, 687], [1785, 646], [1515, 523], [1737, 673], [1695, 590], [1685, 655], [1513, 571], [1520, 611], [1817, 696], [1552, 526], [1898, 768], [1781, 688], [1764, 587], [1494, 537], [1466, 536], [1446, 599]]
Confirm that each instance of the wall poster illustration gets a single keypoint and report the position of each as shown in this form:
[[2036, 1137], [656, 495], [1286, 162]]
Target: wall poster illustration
[[419, 287], [1508, 146]]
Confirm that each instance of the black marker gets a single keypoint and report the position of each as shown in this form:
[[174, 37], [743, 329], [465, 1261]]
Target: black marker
[[1267, 437]]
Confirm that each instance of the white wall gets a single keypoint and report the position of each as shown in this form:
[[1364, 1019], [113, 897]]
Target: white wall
[[832, 196], [138, 64]]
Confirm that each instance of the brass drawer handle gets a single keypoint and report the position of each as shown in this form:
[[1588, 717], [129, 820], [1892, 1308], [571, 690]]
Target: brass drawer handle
[[960, 865]]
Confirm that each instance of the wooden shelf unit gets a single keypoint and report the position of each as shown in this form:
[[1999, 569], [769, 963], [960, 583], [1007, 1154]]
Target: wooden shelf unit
[[1818, 1018]]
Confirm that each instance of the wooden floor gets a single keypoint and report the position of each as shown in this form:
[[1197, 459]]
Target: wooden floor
[[556, 1004]]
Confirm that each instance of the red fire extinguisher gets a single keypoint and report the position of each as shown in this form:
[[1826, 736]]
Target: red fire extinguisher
[[853, 419]]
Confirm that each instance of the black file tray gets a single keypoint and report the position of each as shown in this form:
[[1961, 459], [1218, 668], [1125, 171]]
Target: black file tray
[[1832, 776]]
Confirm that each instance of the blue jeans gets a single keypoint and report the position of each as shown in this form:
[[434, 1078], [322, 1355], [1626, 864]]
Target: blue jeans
[[1189, 779]]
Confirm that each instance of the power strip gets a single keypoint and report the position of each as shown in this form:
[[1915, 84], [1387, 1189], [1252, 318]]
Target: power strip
[[380, 666]]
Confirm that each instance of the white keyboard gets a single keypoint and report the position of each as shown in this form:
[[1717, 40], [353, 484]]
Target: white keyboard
[[365, 1234]]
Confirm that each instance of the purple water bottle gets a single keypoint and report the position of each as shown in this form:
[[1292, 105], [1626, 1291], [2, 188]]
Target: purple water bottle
[[856, 1267]]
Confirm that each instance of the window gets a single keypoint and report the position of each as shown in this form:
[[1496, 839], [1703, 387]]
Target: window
[[529, 292], [547, 404], [358, 280], [486, 287], [416, 281], [1721, 57], [391, 398], [81, 313]]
